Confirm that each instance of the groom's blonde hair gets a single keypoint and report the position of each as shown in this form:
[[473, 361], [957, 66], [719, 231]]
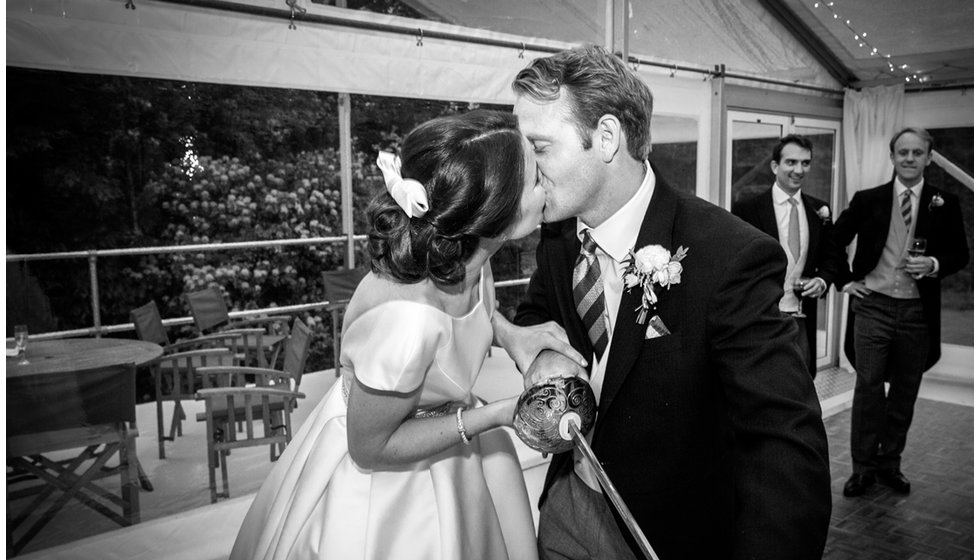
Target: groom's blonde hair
[[597, 83]]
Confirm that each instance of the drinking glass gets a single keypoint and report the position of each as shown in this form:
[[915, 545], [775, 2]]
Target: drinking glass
[[20, 342], [799, 285], [917, 248]]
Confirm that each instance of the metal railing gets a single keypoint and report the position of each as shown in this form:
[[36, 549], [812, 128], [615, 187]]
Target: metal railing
[[97, 329]]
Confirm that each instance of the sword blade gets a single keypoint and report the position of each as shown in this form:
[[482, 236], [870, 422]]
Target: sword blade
[[610, 490]]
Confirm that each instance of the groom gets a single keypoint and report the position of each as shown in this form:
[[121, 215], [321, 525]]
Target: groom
[[708, 422]]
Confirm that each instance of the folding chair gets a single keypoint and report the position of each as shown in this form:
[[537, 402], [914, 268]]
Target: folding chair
[[175, 379], [338, 287], [272, 400]]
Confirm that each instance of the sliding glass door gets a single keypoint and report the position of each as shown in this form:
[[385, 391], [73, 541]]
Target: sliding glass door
[[751, 137]]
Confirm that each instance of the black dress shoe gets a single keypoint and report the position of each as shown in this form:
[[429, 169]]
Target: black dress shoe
[[858, 484], [894, 479]]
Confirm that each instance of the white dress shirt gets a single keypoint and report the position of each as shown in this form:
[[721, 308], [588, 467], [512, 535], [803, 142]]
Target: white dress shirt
[[794, 268], [614, 237]]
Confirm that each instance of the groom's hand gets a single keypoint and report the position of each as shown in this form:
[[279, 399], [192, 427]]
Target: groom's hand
[[524, 344], [552, 364]]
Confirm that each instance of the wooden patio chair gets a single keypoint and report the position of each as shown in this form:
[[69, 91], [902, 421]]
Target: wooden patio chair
[[338, 287], [221, 406], [210, 313], [149, 327], [175, 379], [272, 400]]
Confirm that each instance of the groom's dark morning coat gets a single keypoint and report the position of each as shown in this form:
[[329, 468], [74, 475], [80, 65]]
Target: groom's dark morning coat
[[712, 433]]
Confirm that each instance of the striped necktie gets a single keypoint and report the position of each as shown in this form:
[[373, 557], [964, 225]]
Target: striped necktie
[[587, 292], [907, 207], [794, 229]]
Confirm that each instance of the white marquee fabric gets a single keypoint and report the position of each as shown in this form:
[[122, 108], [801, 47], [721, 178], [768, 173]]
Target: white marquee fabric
[[173, 41]]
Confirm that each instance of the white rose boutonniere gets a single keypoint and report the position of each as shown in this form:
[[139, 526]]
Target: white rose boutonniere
[[936, 202], [652, 268], [824, 214]]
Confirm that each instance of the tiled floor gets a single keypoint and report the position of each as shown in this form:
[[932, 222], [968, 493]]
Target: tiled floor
[[936, 520]]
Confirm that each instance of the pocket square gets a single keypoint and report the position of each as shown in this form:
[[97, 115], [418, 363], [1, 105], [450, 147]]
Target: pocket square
[[656, 328]]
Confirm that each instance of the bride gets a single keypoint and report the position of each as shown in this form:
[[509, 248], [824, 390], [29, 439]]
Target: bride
[[399, 460]]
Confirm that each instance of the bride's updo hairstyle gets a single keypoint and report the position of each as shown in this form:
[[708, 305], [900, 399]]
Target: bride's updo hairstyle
[[472, 168]]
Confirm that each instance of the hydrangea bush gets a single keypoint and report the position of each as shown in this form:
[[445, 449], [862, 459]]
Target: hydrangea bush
[[227, 200]]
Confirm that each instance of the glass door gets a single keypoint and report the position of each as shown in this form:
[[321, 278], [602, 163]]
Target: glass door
[[751, 137]]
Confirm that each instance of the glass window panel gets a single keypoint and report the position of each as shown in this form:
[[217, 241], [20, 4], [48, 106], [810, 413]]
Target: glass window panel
[[751, 146], [956, 145], [674, 155], [100, 161], [388, 7]]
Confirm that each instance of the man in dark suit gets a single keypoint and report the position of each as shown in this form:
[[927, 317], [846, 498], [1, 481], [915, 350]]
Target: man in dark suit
[[893, 318], [708, 423], [801, 223]]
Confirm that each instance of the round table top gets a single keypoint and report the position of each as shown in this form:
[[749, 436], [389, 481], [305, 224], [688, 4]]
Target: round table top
[[74, 354]]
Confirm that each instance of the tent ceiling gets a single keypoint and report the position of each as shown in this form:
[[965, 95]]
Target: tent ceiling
[[934, 38]]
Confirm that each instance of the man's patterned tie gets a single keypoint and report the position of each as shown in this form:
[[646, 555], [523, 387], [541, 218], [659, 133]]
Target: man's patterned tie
[[907, 207], [587, 291]]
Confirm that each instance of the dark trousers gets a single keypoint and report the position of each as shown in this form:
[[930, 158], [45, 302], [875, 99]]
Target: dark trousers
[[891, 343], [803, 340], [576, 522]]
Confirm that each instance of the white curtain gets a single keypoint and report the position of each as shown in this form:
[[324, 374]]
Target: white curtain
[[871, 117]]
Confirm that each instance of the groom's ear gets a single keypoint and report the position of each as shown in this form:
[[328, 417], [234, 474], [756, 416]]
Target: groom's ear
[[609, 135]]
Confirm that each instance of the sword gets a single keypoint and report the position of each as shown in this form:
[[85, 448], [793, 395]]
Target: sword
[[549, 418]]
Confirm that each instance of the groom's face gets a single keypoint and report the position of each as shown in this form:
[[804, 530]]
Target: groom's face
[[567, 171]]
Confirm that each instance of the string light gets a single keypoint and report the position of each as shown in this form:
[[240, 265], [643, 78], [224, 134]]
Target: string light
[[861, 37]]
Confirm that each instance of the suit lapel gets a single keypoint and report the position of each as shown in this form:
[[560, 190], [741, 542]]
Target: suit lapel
[[628, 336], [923, 223], [767, 214], [813, 222], [881, 216]]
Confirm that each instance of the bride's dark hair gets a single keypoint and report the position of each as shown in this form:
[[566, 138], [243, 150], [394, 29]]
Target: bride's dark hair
[[472, 168]]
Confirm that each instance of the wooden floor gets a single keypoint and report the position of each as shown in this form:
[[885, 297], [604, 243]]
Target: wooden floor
[[936, 519]]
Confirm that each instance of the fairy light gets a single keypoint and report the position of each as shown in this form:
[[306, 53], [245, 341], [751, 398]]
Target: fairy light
[[861, 38]]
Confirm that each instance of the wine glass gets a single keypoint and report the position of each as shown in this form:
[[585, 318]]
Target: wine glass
[[20, 342], [799, 285], [917, 248]]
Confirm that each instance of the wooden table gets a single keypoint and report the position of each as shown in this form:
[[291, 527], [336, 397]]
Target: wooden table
[[73, 354], [73, 393]]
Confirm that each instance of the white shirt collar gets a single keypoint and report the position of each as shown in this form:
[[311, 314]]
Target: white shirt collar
[[617, 235], [779, 196], [916, 188]]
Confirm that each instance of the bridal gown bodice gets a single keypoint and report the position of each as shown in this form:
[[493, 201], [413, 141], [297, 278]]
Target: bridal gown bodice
[[469, 501]]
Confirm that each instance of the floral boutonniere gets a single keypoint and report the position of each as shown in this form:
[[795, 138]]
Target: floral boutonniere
[[824, 214], [652, 268], [936, 202]]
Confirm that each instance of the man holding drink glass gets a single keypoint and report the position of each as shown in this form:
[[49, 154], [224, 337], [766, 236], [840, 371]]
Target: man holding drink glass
[[909, 235]]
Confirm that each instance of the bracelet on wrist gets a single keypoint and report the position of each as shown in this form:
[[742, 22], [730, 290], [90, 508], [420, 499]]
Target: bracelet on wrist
[[459, 425]]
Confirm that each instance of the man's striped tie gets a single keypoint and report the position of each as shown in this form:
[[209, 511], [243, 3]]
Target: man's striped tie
[[587, 291], [907, 207]]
